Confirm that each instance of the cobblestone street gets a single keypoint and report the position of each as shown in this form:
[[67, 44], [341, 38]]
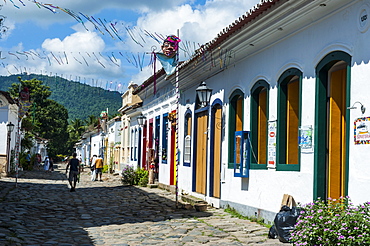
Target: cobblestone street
[[42, 211]]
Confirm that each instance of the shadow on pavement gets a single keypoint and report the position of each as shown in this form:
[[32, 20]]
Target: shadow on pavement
[[42, 174], [44, 213]]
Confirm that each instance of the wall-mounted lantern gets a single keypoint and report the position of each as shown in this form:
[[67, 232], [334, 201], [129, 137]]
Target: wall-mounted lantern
[[141, 120], [204, 94], [363, 109]]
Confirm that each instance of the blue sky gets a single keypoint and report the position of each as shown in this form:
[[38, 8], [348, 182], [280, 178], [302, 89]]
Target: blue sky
[[40, 41]]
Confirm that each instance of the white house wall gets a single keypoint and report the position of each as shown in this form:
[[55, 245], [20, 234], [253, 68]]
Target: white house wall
[[125, 141], [164, 102], [8, 113], [113, 134], [359, 171], [263, 191], [85, 151], [96, 144]]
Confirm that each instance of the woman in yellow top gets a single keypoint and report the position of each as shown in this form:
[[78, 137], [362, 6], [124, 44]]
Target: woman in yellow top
[[99, 168]]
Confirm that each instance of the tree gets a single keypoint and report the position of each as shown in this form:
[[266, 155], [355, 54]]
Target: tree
[[75, 129], [46, 118], [53, 119], [38, 91], [92, 121]]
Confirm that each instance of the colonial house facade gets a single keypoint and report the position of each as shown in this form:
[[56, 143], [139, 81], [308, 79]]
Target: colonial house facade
[[113, 145], [90, 144], [287, 113], [159, 128], [40, 147], [130, 103], [8, 115]]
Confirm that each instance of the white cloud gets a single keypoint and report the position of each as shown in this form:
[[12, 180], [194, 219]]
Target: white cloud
[[196, 23], [76, 42], [42, 15], [81, 54], [143, 75]]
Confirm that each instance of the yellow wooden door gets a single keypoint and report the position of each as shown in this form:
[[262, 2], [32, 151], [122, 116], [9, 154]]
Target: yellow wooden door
[[201, 156], [292, 122], [336, 157], [217, 152], [262, 127]]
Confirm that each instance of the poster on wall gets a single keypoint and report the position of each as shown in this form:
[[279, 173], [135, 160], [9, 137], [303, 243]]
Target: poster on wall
[[361, 128], [305, 138], [271, 163]]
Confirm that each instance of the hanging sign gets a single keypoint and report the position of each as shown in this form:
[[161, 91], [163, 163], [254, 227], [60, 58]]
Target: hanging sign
[[361, 128], [271, 163], [305, 138]]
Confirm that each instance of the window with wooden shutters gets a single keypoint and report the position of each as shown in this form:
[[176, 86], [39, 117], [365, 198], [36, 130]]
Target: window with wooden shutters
[[289, 121], [259, 124]]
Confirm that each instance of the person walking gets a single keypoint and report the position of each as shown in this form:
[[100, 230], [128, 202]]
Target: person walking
[[81, 163], [46, 163], [99, 168], [51, 164], [39, 160], [75, 169], [36, 162], [92, 167], [28, 159]]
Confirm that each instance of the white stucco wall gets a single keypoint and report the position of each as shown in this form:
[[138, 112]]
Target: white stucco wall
[[359, 171], [96, 143], [158, 105], [8, 113], [264, 189]]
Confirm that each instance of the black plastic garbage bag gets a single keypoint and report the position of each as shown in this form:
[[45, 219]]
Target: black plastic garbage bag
[[272, 232], [285, 221]]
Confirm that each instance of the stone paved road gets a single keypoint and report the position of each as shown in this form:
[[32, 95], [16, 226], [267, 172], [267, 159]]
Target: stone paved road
[[42, 211]]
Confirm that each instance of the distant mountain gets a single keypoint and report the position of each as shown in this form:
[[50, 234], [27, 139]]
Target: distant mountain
[[80, 100]]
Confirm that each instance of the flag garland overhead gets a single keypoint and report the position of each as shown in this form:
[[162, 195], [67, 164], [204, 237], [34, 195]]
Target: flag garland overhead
[[219, 58]]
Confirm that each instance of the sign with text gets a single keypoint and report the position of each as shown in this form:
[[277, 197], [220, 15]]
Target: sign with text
[[362, 128], [271, 144]]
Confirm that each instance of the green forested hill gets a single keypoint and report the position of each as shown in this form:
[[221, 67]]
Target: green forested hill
[[79, 99]]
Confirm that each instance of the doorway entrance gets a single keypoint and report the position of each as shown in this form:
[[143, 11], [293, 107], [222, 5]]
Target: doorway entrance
[[332, 131]]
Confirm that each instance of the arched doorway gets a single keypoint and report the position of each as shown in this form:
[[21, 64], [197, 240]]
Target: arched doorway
[[332, 126], [215, 155], [201, 152]]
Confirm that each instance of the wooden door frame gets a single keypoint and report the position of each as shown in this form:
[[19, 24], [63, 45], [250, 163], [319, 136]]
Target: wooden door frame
[[320, 129], [198, 112], [216, 103]]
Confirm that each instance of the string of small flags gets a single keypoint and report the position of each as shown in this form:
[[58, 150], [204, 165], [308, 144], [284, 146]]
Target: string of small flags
[[113, 29]]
